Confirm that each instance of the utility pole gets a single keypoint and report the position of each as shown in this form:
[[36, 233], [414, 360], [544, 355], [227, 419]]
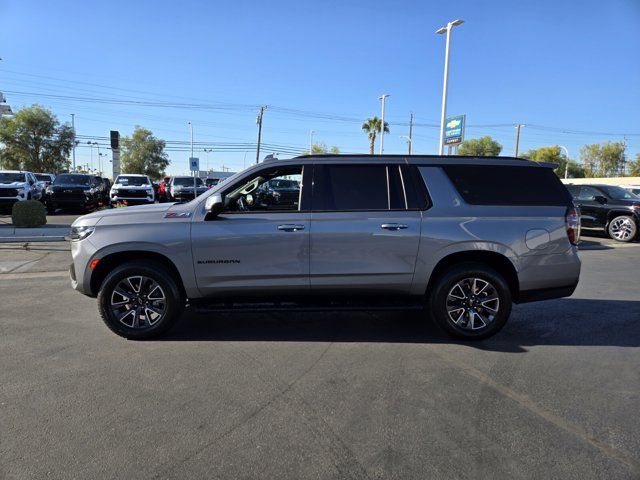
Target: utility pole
[[311, 132], [518, 127], [410, 133], [90, 143], [566, 165], [259, 122], [195, 188], [382, 98], [73, 127], [446, 29]]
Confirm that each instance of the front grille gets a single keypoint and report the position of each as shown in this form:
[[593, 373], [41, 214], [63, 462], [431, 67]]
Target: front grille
[[132, 193], [68, 194], [8, 192]]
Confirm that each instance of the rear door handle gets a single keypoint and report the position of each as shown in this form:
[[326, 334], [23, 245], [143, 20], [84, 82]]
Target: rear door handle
[[394, 226], [290, 227]]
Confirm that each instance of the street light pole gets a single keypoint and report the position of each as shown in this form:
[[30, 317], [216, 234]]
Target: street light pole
[[566, 165], [382, 98], [411, 133], [518, 127], [446, 29], [73, 127], [311, 132], [91, 146], [195, 191]]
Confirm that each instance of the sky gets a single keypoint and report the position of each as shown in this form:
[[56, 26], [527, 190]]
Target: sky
[[569, 70]]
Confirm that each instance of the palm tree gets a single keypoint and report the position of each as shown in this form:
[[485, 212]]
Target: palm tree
[[373, 126]]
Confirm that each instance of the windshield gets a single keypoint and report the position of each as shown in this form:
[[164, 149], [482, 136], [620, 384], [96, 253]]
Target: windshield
[[133, 181], [11, 177], [187, 181], [72, 179], [619, 193], [42, 177]]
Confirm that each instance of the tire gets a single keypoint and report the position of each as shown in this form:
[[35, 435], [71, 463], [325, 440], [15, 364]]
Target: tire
[[141, 323], [451, 312], [622, 228]]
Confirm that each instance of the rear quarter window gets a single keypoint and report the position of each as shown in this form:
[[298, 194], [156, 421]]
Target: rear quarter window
[[508, 185]]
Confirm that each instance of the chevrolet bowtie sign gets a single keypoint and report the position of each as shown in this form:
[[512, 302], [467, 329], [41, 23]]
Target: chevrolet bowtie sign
[[454, 130]]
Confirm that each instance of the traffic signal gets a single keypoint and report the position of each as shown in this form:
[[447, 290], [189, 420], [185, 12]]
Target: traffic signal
[[115, 139]]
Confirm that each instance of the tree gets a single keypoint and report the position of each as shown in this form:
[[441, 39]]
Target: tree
[[373, 126], [633, 169], [144, 154], [554, 155], [480, 147], [320, 148], [603, 160], [34, 140]]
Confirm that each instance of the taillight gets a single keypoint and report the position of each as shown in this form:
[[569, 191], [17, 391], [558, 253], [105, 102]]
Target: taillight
[[572, 219]]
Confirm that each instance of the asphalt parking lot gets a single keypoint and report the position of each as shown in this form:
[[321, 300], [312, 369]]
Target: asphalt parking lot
[[346, 395]]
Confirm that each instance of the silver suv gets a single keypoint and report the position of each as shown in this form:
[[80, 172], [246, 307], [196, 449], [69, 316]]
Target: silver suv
[[457, 237]]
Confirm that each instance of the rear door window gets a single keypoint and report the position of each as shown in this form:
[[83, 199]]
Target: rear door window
[[508, 185], [356, 187]]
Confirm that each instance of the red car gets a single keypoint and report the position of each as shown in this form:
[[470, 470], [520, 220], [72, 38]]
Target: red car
[[162, 189]]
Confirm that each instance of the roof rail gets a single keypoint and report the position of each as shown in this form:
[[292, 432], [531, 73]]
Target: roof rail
[[400, 155]]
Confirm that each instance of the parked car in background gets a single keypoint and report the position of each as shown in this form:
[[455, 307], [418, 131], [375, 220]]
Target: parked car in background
[[103, 191], [211, 182], [279, 191], [16, 186], [163, 194], [181, 188], [612, 209], [45, 179], [457, 239], [132, 189], [635, 189], [78, 191], [107, 189]]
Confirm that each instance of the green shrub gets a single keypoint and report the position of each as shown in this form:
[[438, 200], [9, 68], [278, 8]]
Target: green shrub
[[28, 213]]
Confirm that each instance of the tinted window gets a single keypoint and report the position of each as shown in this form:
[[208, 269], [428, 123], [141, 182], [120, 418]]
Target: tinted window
[[350, 187], [507, 185], [574, 190], [588, 193], [396, 192], [131, 180], [43, 178], [72, 179], [187, 181], [11, 177], [619, 193]]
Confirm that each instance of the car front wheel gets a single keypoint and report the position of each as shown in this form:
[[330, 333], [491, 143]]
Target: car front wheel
[[623, 228], [471, 301], [140, 300]]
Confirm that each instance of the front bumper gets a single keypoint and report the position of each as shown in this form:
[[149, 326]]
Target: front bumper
[[131, 200]]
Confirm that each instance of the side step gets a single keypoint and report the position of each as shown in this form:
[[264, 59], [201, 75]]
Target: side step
[[304, 306]]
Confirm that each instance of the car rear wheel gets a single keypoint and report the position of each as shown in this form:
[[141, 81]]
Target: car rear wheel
[[140, 300], [623, 228], [471, 301]]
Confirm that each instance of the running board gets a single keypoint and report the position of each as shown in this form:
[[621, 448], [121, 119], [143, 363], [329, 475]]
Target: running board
[[216, 307]]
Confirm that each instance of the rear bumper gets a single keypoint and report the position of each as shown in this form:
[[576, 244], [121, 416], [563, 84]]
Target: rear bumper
[[545, 294]]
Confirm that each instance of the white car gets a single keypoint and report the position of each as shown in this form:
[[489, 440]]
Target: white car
[[17, 186], [132, 188]]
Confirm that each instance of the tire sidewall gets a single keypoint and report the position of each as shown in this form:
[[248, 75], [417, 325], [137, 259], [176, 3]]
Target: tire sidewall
[[438, 301], [632, 237], [162, 277]]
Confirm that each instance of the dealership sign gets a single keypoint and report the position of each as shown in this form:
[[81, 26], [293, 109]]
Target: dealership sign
[[454, 130]]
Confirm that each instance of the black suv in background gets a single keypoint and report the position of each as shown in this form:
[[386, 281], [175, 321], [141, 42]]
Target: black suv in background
[[609, 208], [74, 191]]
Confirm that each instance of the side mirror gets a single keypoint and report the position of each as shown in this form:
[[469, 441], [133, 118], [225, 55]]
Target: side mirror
[[31, 182], [214, 205], [600, 199]]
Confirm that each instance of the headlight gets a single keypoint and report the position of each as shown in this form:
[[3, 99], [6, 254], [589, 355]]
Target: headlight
[[80, 233], [49, 189], [149, 190], [20, 189]]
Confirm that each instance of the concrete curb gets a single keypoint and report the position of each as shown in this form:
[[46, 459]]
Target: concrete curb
[[38, 234]]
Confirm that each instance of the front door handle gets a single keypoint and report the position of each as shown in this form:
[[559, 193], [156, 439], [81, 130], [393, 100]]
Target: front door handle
[[394, 226], [290, 228]]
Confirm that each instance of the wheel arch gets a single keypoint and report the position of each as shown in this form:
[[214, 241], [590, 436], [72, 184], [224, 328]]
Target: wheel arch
[[112, 260], [499, 262]]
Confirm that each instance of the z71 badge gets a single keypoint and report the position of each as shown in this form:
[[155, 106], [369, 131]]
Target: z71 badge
[[177, 215]]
